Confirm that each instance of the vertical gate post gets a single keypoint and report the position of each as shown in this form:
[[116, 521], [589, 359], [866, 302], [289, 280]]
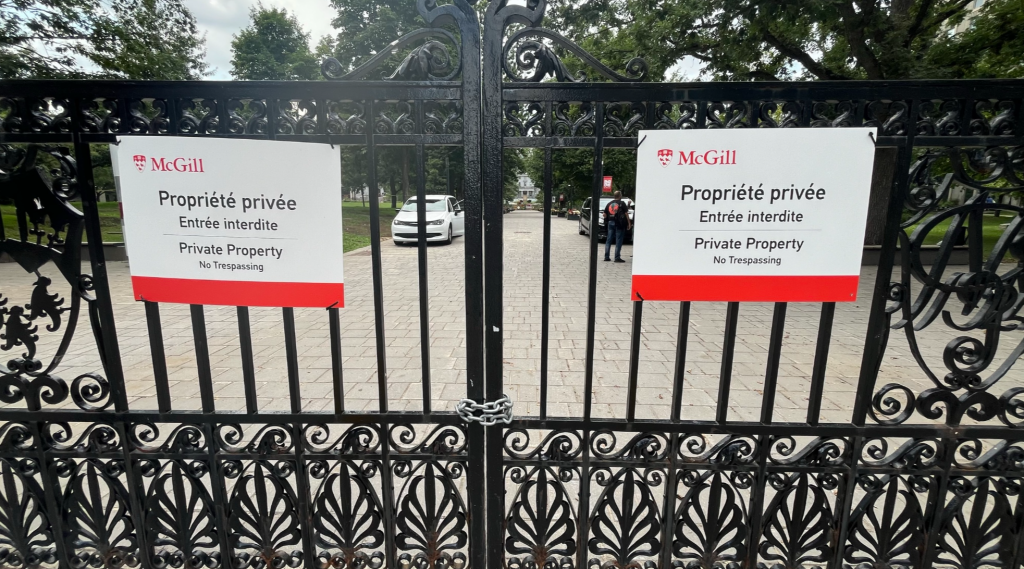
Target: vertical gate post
[[462, 14]]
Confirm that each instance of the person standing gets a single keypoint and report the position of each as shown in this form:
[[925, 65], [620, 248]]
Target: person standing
[[616, 220]]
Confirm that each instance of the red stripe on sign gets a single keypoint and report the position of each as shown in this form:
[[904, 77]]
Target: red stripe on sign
[[745, 288], [239, 293]]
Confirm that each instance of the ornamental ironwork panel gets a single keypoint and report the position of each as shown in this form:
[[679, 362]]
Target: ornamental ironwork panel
[[925, 471]]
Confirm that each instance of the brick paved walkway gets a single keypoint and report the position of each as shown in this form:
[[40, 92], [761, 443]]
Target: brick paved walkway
[[523, 257]]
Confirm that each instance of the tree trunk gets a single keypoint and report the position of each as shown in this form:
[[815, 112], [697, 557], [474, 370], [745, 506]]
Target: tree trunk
[[391, 183], [405, 174]]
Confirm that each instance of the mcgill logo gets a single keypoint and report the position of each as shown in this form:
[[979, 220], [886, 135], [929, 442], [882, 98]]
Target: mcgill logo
[[693, 158], [192, 165]]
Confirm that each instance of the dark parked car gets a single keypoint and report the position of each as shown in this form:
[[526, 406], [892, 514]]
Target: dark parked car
[[585, 215]]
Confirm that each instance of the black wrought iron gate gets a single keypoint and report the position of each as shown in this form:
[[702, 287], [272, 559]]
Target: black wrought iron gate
[[108, 469]]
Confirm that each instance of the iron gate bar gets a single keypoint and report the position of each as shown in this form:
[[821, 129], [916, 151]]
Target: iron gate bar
[[291, 354], [634, 356], [725, 377], [595, 206], [828, 312], [771, 374], [202, 346], [156, 346], [545, 282], [378, 278], [421, 258], [336, 371], [679, 375], [249, 369]]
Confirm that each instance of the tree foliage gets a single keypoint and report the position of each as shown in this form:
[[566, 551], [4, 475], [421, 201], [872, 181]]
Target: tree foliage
[[805, 39], [149, 40], [572, 171], [367, 26], [274, 46], [118, 39]]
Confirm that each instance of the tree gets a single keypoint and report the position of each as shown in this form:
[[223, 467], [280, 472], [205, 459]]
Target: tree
[[42, 38], [275, 47], [149, 40], [367, 26], [364, 28], [992, 46], [122, 39], [804, 39], [572, 171], [445, 171]]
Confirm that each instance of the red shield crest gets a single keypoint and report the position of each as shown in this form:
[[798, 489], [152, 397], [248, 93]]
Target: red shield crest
[[140, 162], [665, 156]]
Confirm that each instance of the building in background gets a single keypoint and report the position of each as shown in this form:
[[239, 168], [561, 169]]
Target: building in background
[[527, 189], [968, 20]]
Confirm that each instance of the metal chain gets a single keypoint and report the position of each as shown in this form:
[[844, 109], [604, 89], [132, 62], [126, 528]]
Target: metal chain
[[499, 411]]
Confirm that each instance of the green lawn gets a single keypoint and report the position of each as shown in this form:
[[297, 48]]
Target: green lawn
[[355, 220], [110, 221], [991, 231]]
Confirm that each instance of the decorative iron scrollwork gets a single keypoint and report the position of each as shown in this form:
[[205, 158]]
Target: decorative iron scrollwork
[[264, 516], [49, 230], [430, 61], [626, 523], [97, 518], [883, 532], [540, 59], [711, 522], [988, 298], [977, 525], [798, 521], [431, 517], [668, 116], [25, 537], [179, 518], [541, 524], [348, 518]]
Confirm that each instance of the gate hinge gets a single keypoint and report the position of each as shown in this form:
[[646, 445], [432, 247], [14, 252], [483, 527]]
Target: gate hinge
[[488, 414]]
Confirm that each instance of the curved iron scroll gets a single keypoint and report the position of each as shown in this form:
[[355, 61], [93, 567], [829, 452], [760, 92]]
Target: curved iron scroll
[[430, 61], [49, 230], [987, 295], [543, 60]]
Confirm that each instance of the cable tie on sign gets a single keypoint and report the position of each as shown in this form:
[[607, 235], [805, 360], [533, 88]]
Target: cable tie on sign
[[641, 142], [333, 305], [871, 134], [117, 141], [638, 296]]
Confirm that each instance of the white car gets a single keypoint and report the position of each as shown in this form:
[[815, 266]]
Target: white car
[[445, 220]]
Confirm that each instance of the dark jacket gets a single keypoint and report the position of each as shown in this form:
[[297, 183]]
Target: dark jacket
[[617, 211]]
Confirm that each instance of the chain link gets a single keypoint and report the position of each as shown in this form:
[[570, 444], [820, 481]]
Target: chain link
[[499, 411]]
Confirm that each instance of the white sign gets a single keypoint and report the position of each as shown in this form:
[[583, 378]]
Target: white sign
[[235, 222], [774, 215]]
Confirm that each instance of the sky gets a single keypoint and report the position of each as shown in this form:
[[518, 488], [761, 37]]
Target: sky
[[220, 19]]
